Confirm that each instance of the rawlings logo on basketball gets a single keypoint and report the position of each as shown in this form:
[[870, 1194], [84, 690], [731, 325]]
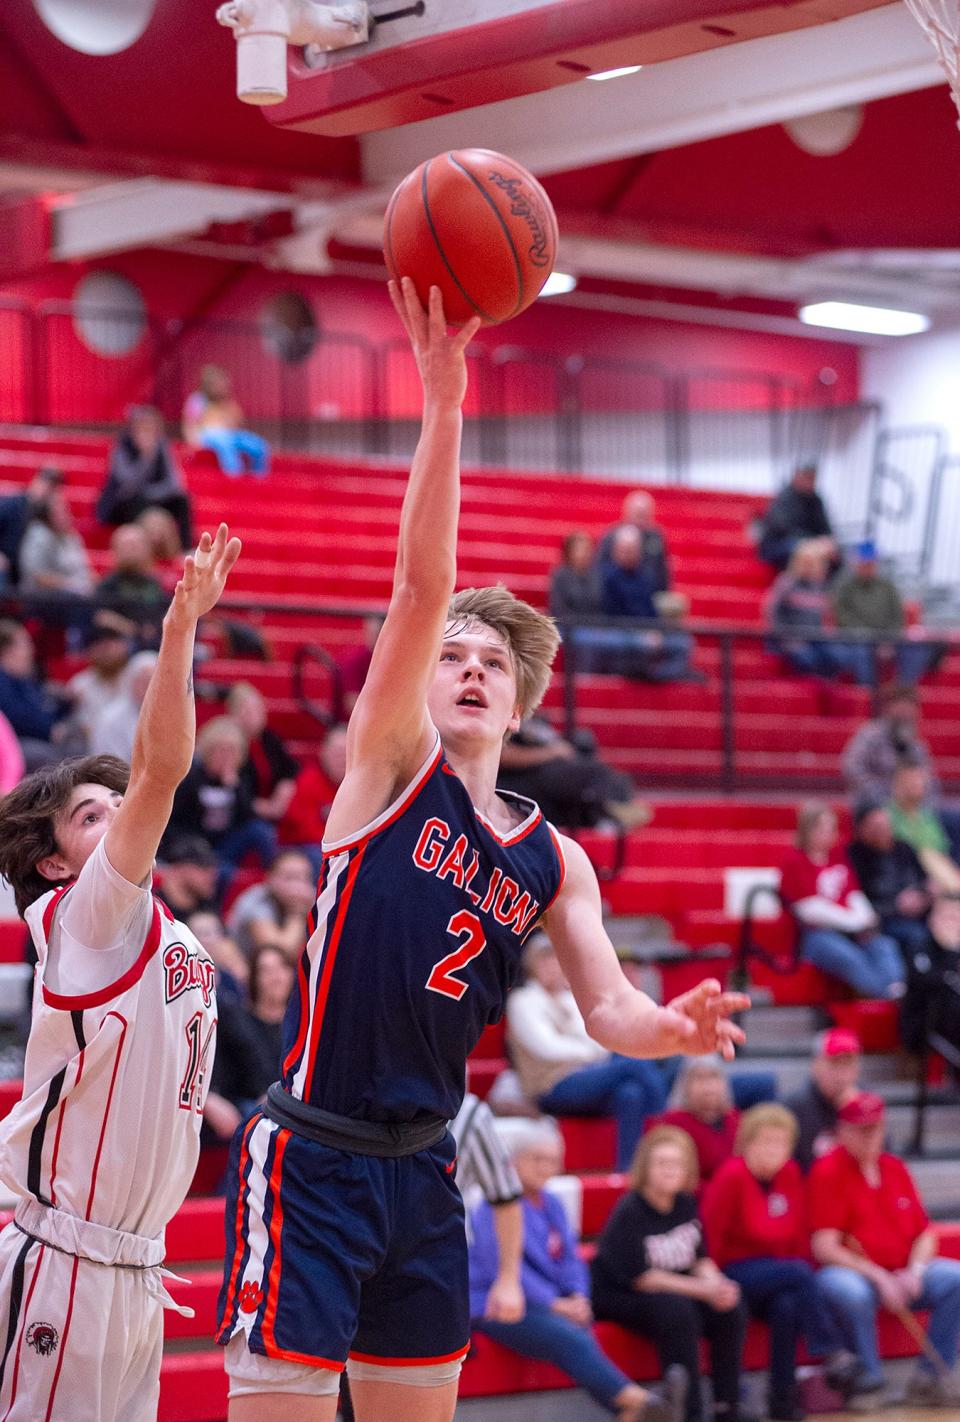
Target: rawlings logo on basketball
[[43, 1339], [185, 970], [523, 204], [251, 1297]]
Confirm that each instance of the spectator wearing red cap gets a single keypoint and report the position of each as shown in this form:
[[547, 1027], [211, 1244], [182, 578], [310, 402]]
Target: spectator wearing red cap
[[834, 1071], [838, 924], [872, 1236], [755, 1215]]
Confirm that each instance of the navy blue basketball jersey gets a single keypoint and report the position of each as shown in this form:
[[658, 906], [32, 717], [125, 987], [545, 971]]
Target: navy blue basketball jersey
[[416, 939]]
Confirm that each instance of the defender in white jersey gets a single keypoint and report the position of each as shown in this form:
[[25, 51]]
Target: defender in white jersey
[[102, 1147]]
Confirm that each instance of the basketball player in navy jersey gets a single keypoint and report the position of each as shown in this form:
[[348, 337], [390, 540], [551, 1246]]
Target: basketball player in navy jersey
[[345, 1226]]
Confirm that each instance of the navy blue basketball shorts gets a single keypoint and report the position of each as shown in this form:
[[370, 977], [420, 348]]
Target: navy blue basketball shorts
[[331, 1253]]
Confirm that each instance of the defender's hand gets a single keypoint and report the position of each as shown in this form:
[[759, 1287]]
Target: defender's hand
[[440, 357], [205, 574], [698, 1022]]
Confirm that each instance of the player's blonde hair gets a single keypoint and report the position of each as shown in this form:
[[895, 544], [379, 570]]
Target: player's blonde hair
[[531, 636]]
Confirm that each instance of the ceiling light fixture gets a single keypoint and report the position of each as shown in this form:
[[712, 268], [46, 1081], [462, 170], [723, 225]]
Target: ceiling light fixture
[[615, 73], [870, 320], [558, 283]]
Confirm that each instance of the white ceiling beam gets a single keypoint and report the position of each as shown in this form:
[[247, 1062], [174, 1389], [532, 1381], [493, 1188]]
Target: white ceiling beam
[[743, 86], [148, 211]]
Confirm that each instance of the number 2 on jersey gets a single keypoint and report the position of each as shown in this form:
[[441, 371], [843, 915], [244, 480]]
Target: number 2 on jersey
[[198, 1049], [465, 925]]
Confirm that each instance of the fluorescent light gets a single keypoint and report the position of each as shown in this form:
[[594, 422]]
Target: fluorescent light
[[872, 320], [557, 283], [616, 73]]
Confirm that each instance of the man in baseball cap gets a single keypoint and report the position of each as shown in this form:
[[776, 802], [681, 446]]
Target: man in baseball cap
[[834, 1073], [872, 1237]]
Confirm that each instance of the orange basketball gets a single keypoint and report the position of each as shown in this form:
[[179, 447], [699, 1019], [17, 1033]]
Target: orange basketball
[[478, 226]]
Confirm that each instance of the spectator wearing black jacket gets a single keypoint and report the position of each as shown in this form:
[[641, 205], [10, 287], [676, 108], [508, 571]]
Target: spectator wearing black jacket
[[796, 514], [248, 1036], [639, 510], [891, 876], [214, 800], [37, 715], [932, 999], [834, 1079], [143, 474], [132, 590], [628, 586], [269, 770], [16, 511]]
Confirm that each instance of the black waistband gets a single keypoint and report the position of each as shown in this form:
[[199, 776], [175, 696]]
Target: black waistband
[[380, 1138]]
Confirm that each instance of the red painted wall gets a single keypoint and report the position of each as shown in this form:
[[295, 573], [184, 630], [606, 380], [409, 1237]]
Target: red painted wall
[[337, 381]]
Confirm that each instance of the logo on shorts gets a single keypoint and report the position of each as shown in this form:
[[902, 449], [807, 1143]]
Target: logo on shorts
[[43, 1338], [251, 1297]]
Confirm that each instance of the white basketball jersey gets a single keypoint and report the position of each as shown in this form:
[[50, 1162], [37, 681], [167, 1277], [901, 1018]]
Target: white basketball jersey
[[115, 1081]]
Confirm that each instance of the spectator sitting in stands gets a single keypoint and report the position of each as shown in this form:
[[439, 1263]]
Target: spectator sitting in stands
[[877, 748], [918, 824], [248, 1054], [797, 515], [639, 511], [556, 1326], [214, 800], [274, 912], [143, 474], [212, 419], [96, 690], [798, 604], [16, 510], [568, 780], [562, 1068], [188, 880], [133, 590], [932, 999], [54, 567], [163, 536], [112, 730], [627, 590], [38, 715], [705, 1110], [868, 601], [838, 926], [755, 1214], [891, 876], [233, 970], [873, 1240], [834, 1079], [302, 827], [575, 591], [354, 665], [269, 769], [652, 1274]]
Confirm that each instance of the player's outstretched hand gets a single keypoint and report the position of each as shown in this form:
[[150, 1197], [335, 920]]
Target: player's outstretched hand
[[698, 1021], [440, 356], [205, 574]]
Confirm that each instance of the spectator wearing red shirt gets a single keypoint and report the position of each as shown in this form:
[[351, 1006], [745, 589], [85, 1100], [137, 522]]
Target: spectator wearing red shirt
[[838, 924], [872, 1237], [705, 1110], [755, 1215], [303, 825]]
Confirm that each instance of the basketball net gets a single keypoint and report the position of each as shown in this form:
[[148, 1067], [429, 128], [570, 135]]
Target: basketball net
[[940, 20]]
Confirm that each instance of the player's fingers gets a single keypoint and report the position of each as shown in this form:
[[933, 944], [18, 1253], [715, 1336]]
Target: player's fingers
[[415, 312], [466, 333], [698, 997], [437, 317], [398, 306], [731, 1002]]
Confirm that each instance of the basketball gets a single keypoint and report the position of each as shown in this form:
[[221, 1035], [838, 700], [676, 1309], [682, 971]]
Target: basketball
[[478, 226]]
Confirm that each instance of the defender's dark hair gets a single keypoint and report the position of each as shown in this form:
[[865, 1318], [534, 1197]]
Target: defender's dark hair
[[28, 813]]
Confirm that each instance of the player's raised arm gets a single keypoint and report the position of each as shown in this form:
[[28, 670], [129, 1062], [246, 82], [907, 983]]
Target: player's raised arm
[[166, 730], [389, 726], [616, 1014]]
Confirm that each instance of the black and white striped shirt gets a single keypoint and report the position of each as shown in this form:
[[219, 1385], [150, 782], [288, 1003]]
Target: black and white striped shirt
[[481, 1159]]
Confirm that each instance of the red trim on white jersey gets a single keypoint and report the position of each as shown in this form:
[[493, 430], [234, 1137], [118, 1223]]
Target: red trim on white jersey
[[106, 1111], [63, 1339], [134, 973]]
